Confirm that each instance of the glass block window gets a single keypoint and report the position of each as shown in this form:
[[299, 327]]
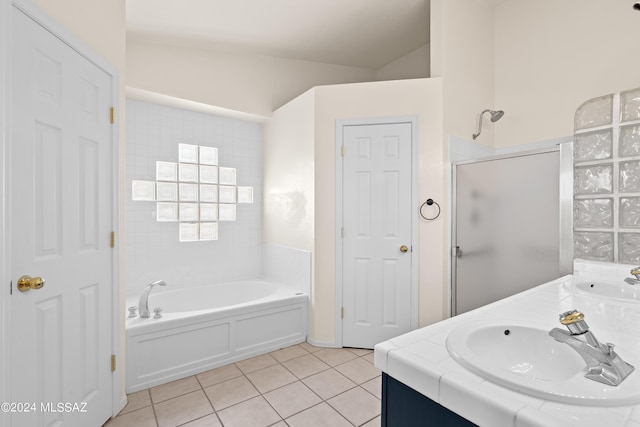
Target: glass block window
[[606, 155], [196, 193]]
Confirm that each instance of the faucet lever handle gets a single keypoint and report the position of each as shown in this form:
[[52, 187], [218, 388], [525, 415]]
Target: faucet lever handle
[[636, 272], [574, 321], [132, 311]]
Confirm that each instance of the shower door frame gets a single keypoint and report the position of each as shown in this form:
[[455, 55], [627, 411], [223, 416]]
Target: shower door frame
[[565, 210], [118, 399]]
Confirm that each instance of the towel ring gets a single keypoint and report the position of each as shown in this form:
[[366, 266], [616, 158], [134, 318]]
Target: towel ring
[[430, 202]]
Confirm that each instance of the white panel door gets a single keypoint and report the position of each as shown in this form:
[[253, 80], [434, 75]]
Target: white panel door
[[61, 207], [376, 263]]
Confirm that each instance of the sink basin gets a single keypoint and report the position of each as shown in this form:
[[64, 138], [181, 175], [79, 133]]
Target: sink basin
[[619, 292], [529, 361]]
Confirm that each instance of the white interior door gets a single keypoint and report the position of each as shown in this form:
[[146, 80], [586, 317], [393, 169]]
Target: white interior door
[[376, 265], [61, 213]]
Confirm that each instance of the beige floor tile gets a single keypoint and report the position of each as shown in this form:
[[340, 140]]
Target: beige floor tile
[[368, 357], [208, 421], [271, 378], [305, 366], [255, 412], [141, 418], [328, 383], [359, 351], [183, 409], [135, 401], [356, 405], [310, 348], [376, 422], [231, 392], [280, 424], [358, 370], [219, 375], [321, 415], [374, 387], [292, 398], [174, 389], [288, 353], [255, 363], [335, 356]]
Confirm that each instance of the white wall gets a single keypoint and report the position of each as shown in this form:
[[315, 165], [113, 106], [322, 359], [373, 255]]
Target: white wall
[[419, 97], [248, 83], [228, 80], [551, 56], [289, 164], [414, 65], [462, 54], [300, 166], [153, 250]]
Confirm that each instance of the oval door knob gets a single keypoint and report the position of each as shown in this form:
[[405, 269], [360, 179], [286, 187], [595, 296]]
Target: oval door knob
[[404, 248], [26, 283]]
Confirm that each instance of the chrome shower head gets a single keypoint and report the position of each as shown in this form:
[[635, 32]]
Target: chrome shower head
[[495, 116]]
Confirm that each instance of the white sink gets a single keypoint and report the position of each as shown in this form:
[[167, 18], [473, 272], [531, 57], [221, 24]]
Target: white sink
[[529, 361], [619, 292]]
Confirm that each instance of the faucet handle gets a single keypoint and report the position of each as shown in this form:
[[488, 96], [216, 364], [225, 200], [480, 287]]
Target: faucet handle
[[574, 321], [636, 272], [570, 317], [132, 311], [158, 313]]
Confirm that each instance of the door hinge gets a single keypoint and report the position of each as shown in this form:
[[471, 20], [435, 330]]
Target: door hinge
[[342, 150], [11, 287], [113, 239], [113, 363], [112, 115], [342, 312]]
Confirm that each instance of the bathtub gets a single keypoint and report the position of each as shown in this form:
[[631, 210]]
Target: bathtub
[[209, 326]]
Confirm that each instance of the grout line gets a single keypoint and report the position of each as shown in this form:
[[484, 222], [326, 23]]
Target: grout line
[[260, 394]]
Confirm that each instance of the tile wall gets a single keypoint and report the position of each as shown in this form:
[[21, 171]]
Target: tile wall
[[607, 179], [153, 249]]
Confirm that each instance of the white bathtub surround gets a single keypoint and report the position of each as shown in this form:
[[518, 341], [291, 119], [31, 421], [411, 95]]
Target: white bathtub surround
[[153, 252], [286, 265], [206, 327], [420, 359]]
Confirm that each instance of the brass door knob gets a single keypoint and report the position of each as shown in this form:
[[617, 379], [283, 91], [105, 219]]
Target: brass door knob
[[26, 283], [404, 248]]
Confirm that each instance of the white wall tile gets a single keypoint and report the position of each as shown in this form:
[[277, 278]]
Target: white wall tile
[[153, 249]]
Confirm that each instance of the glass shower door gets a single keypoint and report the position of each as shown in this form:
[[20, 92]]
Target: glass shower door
[[507, 227]]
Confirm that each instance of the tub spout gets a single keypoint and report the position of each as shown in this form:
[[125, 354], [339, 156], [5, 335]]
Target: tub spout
[[143, 304]]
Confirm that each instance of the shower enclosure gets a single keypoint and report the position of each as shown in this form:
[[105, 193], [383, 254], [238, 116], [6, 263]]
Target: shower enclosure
[[511, 225]]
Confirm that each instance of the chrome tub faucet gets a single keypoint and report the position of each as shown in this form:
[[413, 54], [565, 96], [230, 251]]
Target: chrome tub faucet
[[143, 304], [603, 364], [632, 281]]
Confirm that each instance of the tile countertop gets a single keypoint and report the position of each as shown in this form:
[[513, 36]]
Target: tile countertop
[[420, 358]]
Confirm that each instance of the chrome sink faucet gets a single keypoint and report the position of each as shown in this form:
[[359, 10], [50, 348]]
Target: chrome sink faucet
[[603, 364], [143, 304], [632, 281]]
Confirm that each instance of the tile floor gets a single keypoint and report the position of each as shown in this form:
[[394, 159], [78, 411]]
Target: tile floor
[[297, 386]]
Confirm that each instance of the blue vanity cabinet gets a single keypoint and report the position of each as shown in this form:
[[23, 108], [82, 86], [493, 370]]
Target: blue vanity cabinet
[[402, 406]]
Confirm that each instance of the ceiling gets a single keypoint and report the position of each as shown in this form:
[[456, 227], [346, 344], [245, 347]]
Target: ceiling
[[360, 33]]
